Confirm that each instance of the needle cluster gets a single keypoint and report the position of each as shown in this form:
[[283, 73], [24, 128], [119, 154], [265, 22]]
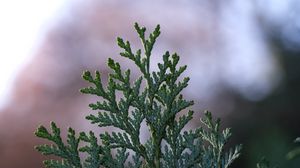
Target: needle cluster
[[154, 98]]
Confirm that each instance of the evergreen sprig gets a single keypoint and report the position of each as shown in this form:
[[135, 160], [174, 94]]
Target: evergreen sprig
[[154, 97]]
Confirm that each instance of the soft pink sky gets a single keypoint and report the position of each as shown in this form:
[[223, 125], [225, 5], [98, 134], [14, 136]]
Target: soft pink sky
[[23, 24]]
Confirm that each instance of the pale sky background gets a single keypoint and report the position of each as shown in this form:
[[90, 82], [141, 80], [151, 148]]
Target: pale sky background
[[22, 26], [24, 23]]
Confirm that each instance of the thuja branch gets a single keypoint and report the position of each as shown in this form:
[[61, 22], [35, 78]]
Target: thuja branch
[[158, 103]]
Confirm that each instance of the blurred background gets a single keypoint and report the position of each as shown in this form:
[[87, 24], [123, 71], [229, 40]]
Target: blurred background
[[243, 59]]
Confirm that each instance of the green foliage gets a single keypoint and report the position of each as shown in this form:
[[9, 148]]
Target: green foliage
[[154, 97], [68, 153], [264, 163], [295, 152]]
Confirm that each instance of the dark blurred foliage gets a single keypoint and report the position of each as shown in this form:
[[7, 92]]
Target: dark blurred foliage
[[270, 126]]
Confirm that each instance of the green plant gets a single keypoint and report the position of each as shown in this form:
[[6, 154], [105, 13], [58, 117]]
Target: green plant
[[155, 97], [295, 152], [264, 163]]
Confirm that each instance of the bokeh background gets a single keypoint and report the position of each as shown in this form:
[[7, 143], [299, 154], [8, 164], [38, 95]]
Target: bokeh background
[[243, 58]]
